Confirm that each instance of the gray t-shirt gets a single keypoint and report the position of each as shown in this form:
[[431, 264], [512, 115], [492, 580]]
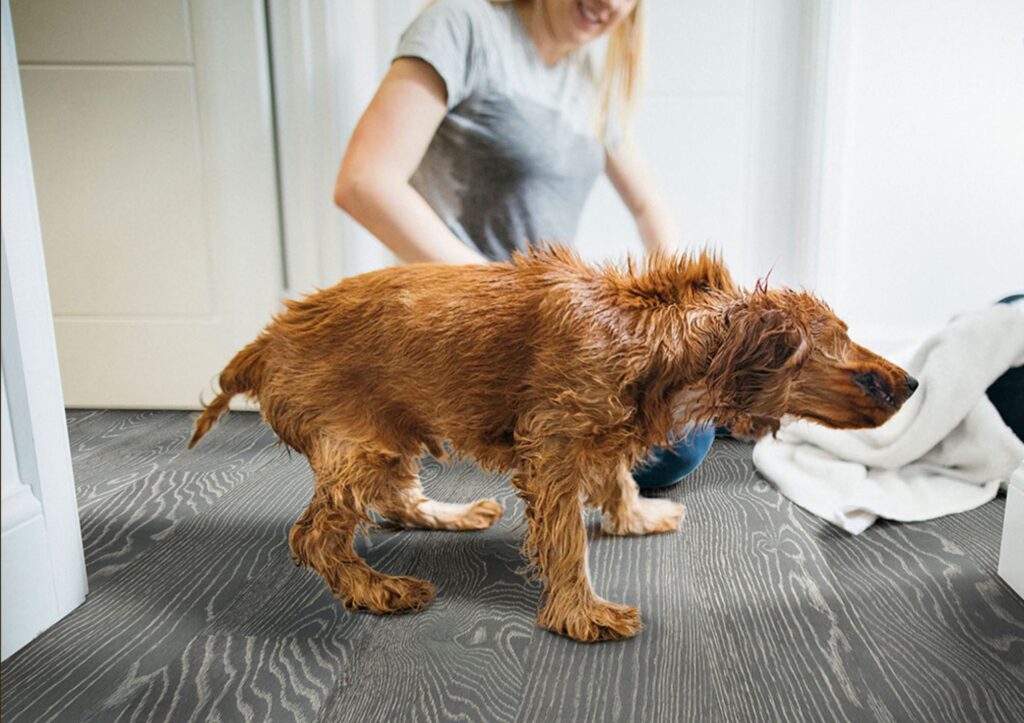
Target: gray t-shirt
[[515, 158]]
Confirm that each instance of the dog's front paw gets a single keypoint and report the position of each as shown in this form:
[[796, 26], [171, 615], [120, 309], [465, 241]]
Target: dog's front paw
[[591, 622], [645, 516]]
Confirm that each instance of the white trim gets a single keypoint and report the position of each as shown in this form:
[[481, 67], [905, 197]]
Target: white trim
[[326, 66], [825, 189], [19, 505], [301, 115], [232, 67], [747, 261], [31, 376], [793, 83]]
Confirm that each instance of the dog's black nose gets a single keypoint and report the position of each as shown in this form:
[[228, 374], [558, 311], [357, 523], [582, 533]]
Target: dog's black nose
[[912, 384]]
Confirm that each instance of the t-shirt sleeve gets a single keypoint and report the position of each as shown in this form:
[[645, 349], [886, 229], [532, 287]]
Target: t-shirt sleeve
[[445, 35]]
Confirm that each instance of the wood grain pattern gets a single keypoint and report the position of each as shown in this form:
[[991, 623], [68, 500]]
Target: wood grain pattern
[[463, 657], [755, 611]]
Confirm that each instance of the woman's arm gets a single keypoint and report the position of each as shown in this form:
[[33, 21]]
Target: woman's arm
[[632, 180], [386, 148]]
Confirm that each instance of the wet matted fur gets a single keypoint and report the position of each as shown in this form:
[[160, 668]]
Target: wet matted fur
[[564, 373]]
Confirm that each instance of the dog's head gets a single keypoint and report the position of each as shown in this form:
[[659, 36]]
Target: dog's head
[[784, 353]]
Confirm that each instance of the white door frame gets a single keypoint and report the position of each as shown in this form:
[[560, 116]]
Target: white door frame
[[327, 59], [43, 560], [823, 194]]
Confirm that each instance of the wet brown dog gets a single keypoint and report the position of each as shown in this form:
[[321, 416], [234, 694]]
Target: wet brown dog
[[563, 373]]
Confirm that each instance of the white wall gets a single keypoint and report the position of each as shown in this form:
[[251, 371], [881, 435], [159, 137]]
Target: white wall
[[931, 180], [721, 125], [903, 120], [691, 129]]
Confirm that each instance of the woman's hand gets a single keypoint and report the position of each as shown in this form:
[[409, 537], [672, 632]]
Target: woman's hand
[[386, 148], [632, 180]]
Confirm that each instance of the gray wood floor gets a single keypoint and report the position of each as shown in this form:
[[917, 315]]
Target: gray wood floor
[[755, 611]]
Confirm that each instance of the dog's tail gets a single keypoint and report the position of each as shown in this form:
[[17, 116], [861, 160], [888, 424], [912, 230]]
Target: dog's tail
[[242, 375]]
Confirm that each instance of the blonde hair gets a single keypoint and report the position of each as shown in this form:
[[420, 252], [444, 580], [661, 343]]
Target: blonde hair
[[621, 77]]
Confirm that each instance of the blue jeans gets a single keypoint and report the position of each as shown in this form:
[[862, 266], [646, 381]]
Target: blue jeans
[[669, 465]]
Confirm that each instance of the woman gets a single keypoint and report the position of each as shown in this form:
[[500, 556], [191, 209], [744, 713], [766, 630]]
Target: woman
[[489, 130]]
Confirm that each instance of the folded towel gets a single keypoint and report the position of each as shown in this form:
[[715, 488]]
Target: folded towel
[[947, 450]]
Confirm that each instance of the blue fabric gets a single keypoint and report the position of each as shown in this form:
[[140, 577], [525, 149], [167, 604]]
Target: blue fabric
[[668, 465]]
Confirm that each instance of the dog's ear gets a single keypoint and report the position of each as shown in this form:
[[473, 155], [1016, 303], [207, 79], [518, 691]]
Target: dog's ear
[[760, 349]]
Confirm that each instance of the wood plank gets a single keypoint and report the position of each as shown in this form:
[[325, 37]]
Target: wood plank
[[945, 633], [131, 497]]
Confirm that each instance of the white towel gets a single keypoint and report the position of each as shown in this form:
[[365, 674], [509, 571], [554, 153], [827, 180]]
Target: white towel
[[947, 450]]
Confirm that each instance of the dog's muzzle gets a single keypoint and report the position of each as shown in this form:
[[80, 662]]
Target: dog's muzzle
[[877, 387]]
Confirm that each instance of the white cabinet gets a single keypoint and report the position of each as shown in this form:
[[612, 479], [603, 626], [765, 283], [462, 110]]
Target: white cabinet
[[1011, 554]]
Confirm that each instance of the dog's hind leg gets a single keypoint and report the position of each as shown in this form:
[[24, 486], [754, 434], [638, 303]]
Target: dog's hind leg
[[557, 546], [322, 538], [406, 505], [625, 512]]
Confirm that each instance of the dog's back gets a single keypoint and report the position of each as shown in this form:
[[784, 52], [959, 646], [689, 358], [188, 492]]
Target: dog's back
[[414, 355], [408, 355]]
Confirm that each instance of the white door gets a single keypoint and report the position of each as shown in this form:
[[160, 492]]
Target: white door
[[43, 565], [152, 143]]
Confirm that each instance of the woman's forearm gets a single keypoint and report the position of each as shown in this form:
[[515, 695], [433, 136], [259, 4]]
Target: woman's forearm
[[658, 228], [631, 178], [404, 222]]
